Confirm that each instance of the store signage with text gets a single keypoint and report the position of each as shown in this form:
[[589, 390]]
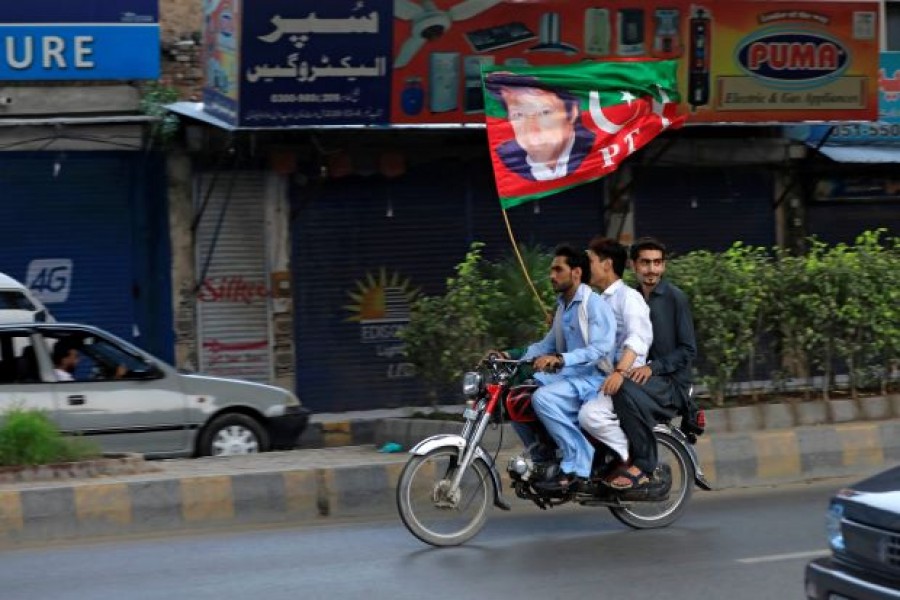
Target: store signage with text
[[90, 39], [302, 62]]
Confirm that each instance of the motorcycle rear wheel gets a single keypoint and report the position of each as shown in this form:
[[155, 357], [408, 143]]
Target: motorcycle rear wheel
[[428, 512], [653, 515]]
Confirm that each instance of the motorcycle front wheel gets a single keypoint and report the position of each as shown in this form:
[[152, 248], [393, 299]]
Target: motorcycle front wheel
[[651, 515], [427, 507]]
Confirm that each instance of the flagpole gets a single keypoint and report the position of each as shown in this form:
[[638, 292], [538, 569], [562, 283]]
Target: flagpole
[[512, 238]]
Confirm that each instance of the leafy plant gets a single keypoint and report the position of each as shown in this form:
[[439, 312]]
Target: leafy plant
[[29, 437], [154, 99], [447, 334]]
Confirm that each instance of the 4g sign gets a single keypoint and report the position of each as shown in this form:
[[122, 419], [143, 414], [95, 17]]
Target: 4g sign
[[50, 279]]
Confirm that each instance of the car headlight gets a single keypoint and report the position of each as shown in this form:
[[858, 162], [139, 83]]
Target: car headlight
[[833, 530], [471, 383], [291, 400]]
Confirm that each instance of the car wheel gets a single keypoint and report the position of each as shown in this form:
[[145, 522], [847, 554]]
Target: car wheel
[[233, 434]]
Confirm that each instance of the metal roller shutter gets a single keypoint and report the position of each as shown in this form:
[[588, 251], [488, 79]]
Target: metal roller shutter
[[69, 233], [363, 245], [692, 209], [233, 301]]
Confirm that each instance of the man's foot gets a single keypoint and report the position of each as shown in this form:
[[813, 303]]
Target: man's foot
[[627, 478], [564, 482]]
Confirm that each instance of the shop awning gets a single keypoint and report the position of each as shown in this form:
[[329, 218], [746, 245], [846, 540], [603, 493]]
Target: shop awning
[[861, 154]]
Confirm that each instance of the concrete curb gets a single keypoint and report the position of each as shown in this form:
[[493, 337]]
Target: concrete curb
[[363, 485]]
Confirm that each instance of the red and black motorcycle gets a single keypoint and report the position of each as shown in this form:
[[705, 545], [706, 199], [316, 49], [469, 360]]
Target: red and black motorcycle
[[450, 482]]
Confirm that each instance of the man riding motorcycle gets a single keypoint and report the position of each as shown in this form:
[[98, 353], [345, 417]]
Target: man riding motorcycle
[[583, 333]]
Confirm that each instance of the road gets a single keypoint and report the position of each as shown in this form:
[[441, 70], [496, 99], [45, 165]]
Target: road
[[741, 544]]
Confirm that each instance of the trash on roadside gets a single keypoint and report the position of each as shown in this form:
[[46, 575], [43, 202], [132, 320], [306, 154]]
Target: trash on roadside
[[391, 447]]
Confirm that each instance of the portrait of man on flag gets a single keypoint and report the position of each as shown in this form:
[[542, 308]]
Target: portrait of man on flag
[[553, 127], [550, 139]]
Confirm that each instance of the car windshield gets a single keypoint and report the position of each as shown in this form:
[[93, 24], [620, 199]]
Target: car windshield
[[14, 300]]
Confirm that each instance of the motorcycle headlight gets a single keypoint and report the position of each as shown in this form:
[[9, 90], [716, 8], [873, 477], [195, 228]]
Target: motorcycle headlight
[[833, 527], [471, 383]]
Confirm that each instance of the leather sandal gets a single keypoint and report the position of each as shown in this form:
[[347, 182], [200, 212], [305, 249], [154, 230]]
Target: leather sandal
[[634, 480]]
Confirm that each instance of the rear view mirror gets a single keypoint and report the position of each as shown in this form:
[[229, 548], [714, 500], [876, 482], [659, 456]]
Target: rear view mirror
[[146, 371]]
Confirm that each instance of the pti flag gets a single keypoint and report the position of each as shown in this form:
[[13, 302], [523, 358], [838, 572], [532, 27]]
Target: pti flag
[[554, 127]]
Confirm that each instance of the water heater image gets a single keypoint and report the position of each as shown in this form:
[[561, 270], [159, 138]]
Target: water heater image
[[666, 33], [699, 58], [631, 32], [443, 81], [597, 33]]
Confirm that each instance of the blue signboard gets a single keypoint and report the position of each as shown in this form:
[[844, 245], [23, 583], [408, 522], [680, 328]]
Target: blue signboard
[[83, 11], [884, 131], [53, 40], [299, 62]]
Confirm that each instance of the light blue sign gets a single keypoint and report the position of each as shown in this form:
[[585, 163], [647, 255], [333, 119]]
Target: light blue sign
[[885, 131], [79, 52]]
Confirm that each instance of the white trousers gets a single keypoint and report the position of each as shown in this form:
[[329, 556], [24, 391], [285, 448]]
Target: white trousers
[[599, 419]]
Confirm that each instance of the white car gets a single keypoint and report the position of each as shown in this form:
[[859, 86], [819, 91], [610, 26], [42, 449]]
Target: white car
[[129, 401], [18, 304]]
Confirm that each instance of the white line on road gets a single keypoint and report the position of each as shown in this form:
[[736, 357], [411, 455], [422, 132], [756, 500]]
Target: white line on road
[[776, 557]]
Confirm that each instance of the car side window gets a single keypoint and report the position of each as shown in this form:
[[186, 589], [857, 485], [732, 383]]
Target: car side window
[[83, 356], [18, 362]]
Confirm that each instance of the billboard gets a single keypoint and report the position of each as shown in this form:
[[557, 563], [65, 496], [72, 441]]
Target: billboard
[[419, 62], [56, 40]]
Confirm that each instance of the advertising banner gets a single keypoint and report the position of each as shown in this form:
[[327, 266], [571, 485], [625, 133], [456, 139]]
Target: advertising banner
[[289, 62], [47, 40], [884, 131], [419, 62]]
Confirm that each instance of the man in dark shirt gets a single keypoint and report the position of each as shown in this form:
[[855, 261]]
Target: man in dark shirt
[[660, 389]]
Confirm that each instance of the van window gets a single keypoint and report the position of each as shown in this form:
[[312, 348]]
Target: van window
[[14, 300]]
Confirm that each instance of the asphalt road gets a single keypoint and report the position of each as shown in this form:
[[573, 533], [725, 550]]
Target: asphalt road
[[741, 544]]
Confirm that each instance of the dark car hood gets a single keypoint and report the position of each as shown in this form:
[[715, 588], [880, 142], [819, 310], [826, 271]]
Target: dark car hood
[[874, 501]]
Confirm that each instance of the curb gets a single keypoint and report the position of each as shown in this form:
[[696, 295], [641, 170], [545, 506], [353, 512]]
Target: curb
[[365, 489]]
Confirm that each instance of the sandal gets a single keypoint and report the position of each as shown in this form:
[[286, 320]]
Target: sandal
[[561, 483], [631, 481]]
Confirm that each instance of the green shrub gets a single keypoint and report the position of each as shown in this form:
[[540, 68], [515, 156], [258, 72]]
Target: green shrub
[[29, 437]]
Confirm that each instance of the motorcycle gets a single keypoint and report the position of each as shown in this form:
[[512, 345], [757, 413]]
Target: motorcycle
[[449, 483]]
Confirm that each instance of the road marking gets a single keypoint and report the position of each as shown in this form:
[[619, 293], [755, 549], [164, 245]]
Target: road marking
[[776, 557]]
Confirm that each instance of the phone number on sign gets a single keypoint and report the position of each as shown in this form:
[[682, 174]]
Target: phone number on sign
[[291, 98], [867, 129]]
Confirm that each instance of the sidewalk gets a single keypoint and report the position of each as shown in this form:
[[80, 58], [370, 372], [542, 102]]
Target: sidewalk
[[316, 485]]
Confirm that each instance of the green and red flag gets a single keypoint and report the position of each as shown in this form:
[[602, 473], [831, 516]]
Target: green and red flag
[[554, 127]]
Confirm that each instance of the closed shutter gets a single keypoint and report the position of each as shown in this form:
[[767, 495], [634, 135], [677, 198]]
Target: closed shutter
[[692, 209], [68, 230], [233, 304], [836, 222], [362, 246]]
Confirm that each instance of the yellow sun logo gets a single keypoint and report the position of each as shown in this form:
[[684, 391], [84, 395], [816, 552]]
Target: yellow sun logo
[[381, 298]]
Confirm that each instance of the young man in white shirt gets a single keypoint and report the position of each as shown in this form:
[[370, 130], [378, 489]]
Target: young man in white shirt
[[634, 335], [65, 359]]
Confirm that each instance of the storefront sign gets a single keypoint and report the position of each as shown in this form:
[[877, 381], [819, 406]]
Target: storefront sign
[[90, 39], [303, 62]]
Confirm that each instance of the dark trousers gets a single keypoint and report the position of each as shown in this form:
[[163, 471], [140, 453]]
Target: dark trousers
[[640, 408]]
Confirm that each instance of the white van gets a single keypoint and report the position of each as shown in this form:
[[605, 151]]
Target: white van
[[19, 305]]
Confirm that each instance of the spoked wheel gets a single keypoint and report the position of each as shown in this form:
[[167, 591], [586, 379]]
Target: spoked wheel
[[650, 515], [431, 511]]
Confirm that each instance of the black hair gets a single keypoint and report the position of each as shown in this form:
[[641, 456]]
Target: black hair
[[495, 82], [605, 247], [574, 258], [62, 349], [647, 243]]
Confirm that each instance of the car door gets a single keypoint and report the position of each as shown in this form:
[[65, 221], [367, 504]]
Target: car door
[[141, 409], [22, 384]]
